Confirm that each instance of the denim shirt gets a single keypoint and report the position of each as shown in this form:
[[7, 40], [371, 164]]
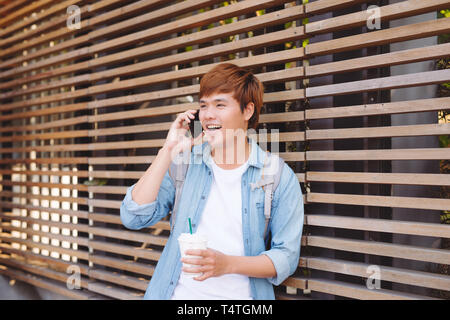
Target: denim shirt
[[285, 225]]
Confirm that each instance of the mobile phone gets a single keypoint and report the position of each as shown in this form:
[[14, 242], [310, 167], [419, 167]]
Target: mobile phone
[[195, 127]]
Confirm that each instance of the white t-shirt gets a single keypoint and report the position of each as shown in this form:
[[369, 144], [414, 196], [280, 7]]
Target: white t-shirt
[[221, 224]]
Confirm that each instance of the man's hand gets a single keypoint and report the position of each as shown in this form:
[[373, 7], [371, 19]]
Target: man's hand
[[211, 262], [176, 140], [214, 263]]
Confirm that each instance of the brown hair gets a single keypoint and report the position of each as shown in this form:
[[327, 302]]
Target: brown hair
[[227, 78]]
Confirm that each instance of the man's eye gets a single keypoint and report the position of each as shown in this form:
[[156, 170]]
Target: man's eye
[[221, 105], [202, 106]]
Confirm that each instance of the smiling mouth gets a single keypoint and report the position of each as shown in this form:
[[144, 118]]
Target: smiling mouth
[[213, 127]]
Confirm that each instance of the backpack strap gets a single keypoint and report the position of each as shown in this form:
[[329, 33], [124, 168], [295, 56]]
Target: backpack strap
[[177, 171], [269, 182]]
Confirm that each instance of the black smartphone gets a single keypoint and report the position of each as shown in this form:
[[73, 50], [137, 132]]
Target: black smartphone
[[195, 126]]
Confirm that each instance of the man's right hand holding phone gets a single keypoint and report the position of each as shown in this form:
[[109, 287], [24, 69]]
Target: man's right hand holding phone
[[180, 138]]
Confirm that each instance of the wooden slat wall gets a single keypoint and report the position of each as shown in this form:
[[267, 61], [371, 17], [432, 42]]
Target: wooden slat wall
[[84, 111]]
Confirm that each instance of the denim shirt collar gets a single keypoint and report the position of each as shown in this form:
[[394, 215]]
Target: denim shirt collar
[[202, 152]]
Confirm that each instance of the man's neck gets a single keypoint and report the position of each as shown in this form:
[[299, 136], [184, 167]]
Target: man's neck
[[237, 155]]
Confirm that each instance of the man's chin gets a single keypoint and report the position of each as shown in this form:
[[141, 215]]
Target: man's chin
[[212, 137], [217, 140], [214, 144]]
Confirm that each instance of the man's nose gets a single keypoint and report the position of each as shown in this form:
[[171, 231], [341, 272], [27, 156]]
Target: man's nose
[[208, 113]]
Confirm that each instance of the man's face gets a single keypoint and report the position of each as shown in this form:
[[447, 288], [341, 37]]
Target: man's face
[[221, 117]]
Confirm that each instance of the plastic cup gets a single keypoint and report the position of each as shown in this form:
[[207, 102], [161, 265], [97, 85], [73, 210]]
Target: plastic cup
[[191, 241]]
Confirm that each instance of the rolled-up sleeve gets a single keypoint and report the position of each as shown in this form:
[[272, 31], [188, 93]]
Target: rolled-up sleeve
[[135, 216], [286, 226]]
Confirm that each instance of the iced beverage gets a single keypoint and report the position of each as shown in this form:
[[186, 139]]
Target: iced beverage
[[191, 241]]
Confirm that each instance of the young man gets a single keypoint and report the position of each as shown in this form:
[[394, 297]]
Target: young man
[[218, 198]]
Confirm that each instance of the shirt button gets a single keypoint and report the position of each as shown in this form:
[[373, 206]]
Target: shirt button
[[203, 197], [171, 282]]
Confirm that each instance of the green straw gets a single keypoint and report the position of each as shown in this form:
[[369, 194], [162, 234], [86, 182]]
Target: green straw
[[190, 225]]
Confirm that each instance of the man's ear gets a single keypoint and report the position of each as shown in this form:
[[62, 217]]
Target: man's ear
[[249, 110]]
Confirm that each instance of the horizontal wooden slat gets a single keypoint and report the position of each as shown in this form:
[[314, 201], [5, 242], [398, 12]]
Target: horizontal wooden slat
[[379, 225], [94, 174], [380, 178], [122, 264], [46, 125], [381, 154], [381, 249], [113, 174], [114, 292], [359, 292], [380, 201], [112, 218], [411, 277], [380, 132], [421, 105], [321, 6], [125, 250], [59, 186], [63, 161], [394, 82], [78, 173], [112, 204], [139, 284], [290, 297], [379, 60], [128, 235]]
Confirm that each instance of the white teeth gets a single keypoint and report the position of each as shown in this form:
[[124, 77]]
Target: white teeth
[[214, 126]]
